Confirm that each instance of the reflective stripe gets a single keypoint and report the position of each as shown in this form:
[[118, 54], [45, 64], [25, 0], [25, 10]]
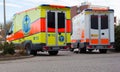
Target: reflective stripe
[[87, 40], [104, 41], [73, 41], [68, 25], [43, 25], [35, 27], [94, 41], [82, 40]]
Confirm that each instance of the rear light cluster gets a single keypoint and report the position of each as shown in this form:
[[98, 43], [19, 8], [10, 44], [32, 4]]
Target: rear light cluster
[[110, 46], [89, 46], [65, 47], [46, 48]]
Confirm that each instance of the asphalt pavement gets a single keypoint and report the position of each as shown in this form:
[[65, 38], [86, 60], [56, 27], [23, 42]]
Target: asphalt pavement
[[65, 61]]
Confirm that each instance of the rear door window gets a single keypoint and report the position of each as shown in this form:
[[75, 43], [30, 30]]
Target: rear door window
[[61, 20], [94, 21], [51, 19], [104, 22]]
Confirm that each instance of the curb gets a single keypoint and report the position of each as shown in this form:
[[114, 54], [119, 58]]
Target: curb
[[15, 58]]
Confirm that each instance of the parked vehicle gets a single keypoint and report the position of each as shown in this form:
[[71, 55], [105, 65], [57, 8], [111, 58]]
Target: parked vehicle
[[93, 29], [44, 28]]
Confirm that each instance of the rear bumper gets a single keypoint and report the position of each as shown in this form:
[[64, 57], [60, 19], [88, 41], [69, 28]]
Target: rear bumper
[[110, 46], [44, 47], [99, 47]]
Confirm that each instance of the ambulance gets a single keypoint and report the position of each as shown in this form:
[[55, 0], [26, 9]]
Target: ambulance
[[44, 28], [93, 29]]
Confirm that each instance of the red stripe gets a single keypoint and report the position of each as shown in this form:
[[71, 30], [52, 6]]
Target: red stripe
[[104, 41], [94, 41], [42, 25], [68, 24], [51, 29], [61, 30], [18, 34], [57, 6], [35, 27], [10, 38], [39, 26], [15, 36], [73, 41]]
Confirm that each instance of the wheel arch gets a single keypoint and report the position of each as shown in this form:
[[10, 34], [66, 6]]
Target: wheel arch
[[27, 42]]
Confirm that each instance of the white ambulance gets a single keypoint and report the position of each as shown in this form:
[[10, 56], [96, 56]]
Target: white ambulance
[[93, 29]]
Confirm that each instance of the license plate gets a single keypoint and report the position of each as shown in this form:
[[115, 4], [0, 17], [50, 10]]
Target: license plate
[[99, 47], [55, 48]]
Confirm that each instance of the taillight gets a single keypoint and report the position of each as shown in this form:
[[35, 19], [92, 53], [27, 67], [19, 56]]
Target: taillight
[[110, 46], [46, 48], [89, 46], [65, 47]]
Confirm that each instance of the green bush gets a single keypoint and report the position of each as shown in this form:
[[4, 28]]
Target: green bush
[[117, 38], [21, 50], [1, 47], [8, 48]]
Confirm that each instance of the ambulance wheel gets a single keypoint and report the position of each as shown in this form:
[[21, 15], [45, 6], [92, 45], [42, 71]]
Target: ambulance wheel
[[34, 52], [83, 50], [90, 50], [103, 50], [53, 52], [28, 49], [76, 52], [71, 49]]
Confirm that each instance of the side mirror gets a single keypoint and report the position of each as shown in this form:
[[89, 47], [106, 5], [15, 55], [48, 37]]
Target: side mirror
[[9, 32]]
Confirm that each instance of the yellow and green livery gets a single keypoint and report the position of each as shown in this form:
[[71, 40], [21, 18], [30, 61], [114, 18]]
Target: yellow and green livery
[[44, 28]]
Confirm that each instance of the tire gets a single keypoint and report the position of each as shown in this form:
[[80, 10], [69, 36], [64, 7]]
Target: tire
[[103, 50], [83, 50], [71, 49], [34, 52], [28, 49], [76, 52], [90, 50], [53, 52]]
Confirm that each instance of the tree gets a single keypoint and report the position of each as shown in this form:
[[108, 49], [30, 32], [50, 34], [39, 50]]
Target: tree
[[117, 38], [8, 25], [2, 33]]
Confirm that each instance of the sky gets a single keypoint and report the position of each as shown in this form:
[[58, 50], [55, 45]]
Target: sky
[[15, 6]]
